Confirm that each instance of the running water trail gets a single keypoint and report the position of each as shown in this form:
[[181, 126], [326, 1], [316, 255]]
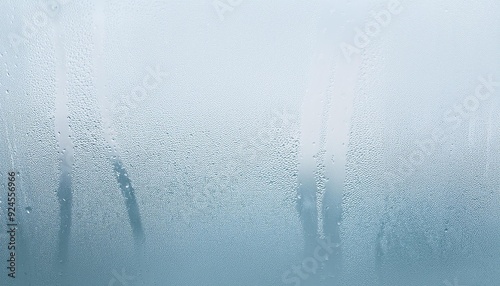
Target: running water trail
[[307, 192], [130, 201], [331, 92], [121, 174], [312, 115], [337, 142], [65, 151]]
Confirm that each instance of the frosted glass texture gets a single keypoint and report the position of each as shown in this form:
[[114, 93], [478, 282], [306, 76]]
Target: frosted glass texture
[[249, 143]]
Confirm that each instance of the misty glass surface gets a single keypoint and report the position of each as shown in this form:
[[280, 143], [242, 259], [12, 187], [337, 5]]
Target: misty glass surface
[[249, 142]]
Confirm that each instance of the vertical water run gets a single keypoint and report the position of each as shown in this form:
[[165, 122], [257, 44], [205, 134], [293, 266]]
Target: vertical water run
[[324, 145], [124, 182], [130, 201], [310, 130], [336, 142], [65, 148]]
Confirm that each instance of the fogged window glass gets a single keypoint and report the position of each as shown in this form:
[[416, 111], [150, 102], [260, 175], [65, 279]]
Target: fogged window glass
[[252, 143]]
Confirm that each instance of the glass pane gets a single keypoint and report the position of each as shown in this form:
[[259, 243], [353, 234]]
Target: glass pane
[[232, 142]]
